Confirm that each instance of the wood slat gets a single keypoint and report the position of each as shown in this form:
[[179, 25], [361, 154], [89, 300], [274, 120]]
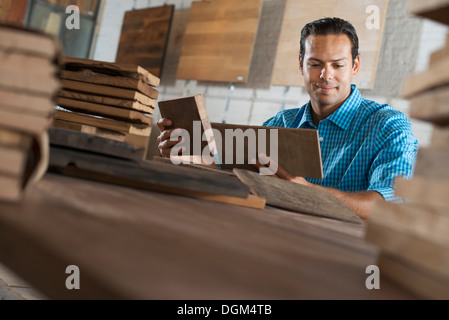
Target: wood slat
[[144, 37], [24, 122], [105, 111], [88, 76], [233, 20], [296, 197], [107, 91], [423, 190], [431, 106], [436, 10], [109, 101], [303, 160], [26, 103], [112, 68], [105, 123], [298, 13], [13, 160]]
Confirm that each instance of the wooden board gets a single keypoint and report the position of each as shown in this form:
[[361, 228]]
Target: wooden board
[[33, 65], [296, 197], [13, 160], [114, 69], [219, 40], [304, 159], [298, 13], [183, 112], [435, 76], [19, 79], [431, 106], [147, 175], [27, 41], [24, 103], [107, 91], [137, 141], [89, 76], [109, 101], [440, 138], [144, 37], [26, 123], [105, 123], [422, 189], [432, 163], [111, 112], [436, 10], [413, 278], [440, 54]]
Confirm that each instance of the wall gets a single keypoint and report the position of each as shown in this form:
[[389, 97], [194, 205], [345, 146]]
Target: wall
[[407, 44]]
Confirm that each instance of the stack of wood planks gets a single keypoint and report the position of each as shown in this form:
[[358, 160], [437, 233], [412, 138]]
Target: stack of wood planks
[[110, 100], [414, 237], [28, 83]]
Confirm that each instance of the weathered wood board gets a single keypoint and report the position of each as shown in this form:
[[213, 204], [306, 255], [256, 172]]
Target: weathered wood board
[[296, 197], [219, 40], [431, 106], [298, 13], [144, 37], [436, 10]]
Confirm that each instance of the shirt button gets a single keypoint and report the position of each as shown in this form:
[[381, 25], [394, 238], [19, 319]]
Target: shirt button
[[321, 139]]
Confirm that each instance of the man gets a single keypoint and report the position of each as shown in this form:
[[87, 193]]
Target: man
[[364, 145]]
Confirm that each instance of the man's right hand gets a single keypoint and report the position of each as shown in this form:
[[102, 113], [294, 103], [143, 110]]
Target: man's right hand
[[164, 143]]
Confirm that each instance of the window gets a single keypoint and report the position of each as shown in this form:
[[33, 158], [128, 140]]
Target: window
[[50, 16]]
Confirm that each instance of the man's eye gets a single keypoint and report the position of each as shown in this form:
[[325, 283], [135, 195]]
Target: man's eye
[[340, 65], [314, 65]]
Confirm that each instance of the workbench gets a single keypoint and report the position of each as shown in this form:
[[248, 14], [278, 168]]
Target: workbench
[[138, 244]]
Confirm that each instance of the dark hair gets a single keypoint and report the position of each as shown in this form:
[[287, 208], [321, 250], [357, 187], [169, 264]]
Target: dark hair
[[328, 26]]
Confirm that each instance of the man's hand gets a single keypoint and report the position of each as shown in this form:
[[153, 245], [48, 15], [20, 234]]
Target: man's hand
[[165, 145], [281, 172]]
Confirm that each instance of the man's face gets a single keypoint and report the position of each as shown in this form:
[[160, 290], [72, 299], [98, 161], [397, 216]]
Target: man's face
[[328, 69]]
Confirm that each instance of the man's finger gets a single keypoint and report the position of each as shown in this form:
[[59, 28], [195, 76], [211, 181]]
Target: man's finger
[[163, 123]]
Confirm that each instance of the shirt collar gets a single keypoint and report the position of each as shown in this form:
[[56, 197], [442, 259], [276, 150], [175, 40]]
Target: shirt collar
[[342, 117]]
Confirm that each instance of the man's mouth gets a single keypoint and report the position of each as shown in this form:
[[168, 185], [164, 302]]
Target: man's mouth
[[325, 88]]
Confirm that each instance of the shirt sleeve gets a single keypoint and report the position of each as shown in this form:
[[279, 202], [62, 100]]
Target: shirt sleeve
[[396, 156]]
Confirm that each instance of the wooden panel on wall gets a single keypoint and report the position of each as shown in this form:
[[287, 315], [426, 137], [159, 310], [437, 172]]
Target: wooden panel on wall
[[144, 37], [219, 40], [88, 7], [361, 13], [13, 12]]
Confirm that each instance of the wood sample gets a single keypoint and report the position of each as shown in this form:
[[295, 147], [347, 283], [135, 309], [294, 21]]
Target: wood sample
[[431, 106], [436, 10], [105, 123], [435, 76], [109, 101], [219, 40], [98, 89], [88, 76], [106, 111], [304, 159], [184, 112], [111, 68], [144, 37], [298, 13], [296, 197]]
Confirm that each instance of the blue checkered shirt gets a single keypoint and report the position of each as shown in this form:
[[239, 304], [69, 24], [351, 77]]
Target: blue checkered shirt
[[364, 145]]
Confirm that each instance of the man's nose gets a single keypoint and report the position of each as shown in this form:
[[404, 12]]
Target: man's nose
[[326, 74]]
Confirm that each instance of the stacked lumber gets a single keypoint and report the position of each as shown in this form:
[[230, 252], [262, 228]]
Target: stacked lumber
[[414, 237], [28, 83], [110, 100]]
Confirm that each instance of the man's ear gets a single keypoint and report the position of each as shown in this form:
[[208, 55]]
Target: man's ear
[[301, 66], [356, 66]]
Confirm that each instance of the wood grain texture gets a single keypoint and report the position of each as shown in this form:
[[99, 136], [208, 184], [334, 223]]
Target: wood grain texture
[[436, 10], [94, 144], [89, 76], [297, 198], [109, 101], [26, 123], [105, 123], [19, 79], [105, 111], [26, 103], [298, 150], [298, 13], [107, 91], [110, 68], [144, 37], [219, 40], [184, 112], [431, 106], [133, 244]]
